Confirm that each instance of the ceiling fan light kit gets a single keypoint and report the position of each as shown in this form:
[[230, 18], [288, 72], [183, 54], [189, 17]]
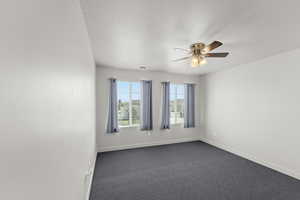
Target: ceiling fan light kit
[[199, 52], [198, 60]]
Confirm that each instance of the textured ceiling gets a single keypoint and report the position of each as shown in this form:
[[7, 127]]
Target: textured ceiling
[[133, 33]]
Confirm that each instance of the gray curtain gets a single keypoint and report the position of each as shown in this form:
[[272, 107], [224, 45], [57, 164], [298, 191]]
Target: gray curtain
[[112, 122], [146, 105], [189, 105], [165, 120]]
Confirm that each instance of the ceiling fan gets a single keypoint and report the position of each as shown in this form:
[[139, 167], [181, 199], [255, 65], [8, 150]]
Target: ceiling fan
[[199, 51]]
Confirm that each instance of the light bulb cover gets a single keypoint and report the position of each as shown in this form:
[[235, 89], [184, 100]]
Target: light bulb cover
[[197, 61]]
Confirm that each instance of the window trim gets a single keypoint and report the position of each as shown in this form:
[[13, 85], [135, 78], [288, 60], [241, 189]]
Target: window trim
[[130, 105]]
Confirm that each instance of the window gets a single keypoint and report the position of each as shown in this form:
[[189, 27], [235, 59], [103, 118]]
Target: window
[[176, 103], [128, 103]]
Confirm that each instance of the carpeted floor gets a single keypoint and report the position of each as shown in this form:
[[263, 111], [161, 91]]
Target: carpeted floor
[[187, 171]]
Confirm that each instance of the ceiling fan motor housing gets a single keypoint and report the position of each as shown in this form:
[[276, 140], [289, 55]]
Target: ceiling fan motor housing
[[197, 48]]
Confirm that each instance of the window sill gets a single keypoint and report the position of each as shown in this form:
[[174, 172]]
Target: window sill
[[133, 126], [177, 124]]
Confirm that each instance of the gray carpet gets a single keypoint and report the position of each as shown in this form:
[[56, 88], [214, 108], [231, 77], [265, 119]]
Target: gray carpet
[[187, 171]]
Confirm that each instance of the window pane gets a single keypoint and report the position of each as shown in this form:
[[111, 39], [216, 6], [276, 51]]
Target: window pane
[[180, 96], [179, 105], [180, 109], [135, 96], [172, 117], [123, 91], [179, 118], [176, 103], [172, 91], [172, 103], [135, 102], [180, 90], [172, 111], [123, 113], [172, 108], [123, 103], [135, 87], [128, 97], [135, 112]]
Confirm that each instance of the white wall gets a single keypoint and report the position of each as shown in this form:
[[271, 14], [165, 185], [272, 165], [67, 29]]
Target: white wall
[[132, 137], [46, 100], [253, 110]]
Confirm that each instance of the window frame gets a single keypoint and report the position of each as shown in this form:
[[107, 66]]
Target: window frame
[[176, 123], [130, 103]]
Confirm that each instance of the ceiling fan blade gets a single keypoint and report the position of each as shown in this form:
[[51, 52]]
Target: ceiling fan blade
[[182, 49], [180, 59], [219, 55], [213, 45]]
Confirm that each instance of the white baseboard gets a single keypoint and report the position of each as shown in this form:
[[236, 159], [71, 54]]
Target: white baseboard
[[90, 176], [255, 159], [138, 145]]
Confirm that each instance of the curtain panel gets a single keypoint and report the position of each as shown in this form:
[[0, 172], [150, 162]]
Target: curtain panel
[[189, 105], [165, 120], [146, 105], [112, 122]]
